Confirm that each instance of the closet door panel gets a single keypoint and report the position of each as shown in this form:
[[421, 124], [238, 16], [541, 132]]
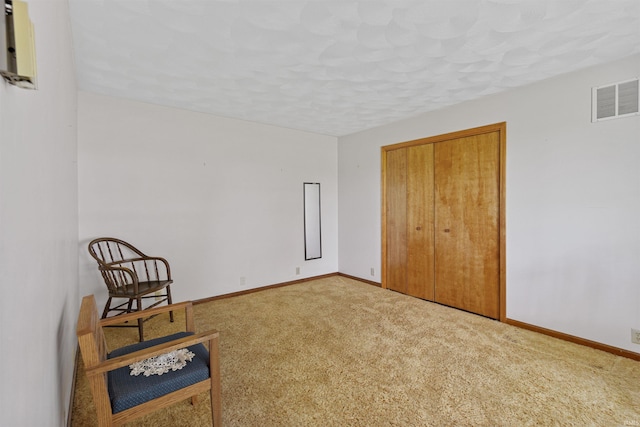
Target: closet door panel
[[467, 200], [396, 220], [420, 256]]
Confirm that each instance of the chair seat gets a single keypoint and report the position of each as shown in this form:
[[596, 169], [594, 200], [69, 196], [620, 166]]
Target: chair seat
[[143, 288], [127, 391]]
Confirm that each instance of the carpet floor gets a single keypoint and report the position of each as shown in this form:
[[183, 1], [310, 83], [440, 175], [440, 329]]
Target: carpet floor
[[338, 352]]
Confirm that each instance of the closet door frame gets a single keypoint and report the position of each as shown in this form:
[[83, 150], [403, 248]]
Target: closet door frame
[[501, 129]]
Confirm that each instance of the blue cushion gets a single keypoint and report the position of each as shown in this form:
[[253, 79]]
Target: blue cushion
[[127, 391]]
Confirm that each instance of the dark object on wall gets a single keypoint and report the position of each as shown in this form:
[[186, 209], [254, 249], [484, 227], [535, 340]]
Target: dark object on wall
[[312, 229]]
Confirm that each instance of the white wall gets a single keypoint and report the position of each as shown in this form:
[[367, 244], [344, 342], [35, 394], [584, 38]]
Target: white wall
[[573, 202], [219, 198], [39, 230]]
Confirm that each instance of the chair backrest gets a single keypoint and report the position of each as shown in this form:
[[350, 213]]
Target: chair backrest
[[121, 264], [93, 348], [91, 340], [108, 250]]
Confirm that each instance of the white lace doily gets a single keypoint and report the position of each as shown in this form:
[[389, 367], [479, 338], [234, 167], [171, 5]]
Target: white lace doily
[[162, 363]]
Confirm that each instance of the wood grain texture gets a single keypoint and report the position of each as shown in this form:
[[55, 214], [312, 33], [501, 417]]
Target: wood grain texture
[[502, 131], [475, 257], [467, 222], [420, 220], [396, 220]]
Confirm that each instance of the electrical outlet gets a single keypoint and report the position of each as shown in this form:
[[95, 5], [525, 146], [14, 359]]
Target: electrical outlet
[[297, 270], [635, 336], [373, 271]]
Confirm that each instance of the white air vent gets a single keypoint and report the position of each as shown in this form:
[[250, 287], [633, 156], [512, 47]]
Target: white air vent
[[615, 100]]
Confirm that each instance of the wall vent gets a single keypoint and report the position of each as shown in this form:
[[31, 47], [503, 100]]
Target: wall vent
[[615, 100]]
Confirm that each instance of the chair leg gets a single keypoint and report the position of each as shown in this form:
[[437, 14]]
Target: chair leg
[[140, 320], [107, 306], [215, 392], [216, 407], [169, 301]]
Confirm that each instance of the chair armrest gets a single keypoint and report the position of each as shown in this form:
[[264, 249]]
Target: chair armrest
[[187, 305], [114, 266], [122, 261], [140, 259], [144, 258], [128, 359]]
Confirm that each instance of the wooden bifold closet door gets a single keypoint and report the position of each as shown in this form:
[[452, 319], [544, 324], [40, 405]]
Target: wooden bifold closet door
[[410, 255], [443, 219]]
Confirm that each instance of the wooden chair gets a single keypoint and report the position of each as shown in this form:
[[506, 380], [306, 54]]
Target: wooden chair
[[120, 397], [130, 274]]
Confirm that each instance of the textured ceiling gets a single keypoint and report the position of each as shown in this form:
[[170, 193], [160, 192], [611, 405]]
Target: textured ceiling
[[338, 67]]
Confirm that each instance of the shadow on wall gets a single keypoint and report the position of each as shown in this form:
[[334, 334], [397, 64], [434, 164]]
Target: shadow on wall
[[63, 377]]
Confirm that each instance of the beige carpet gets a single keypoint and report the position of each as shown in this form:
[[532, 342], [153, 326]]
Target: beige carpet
[[338, 352]]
